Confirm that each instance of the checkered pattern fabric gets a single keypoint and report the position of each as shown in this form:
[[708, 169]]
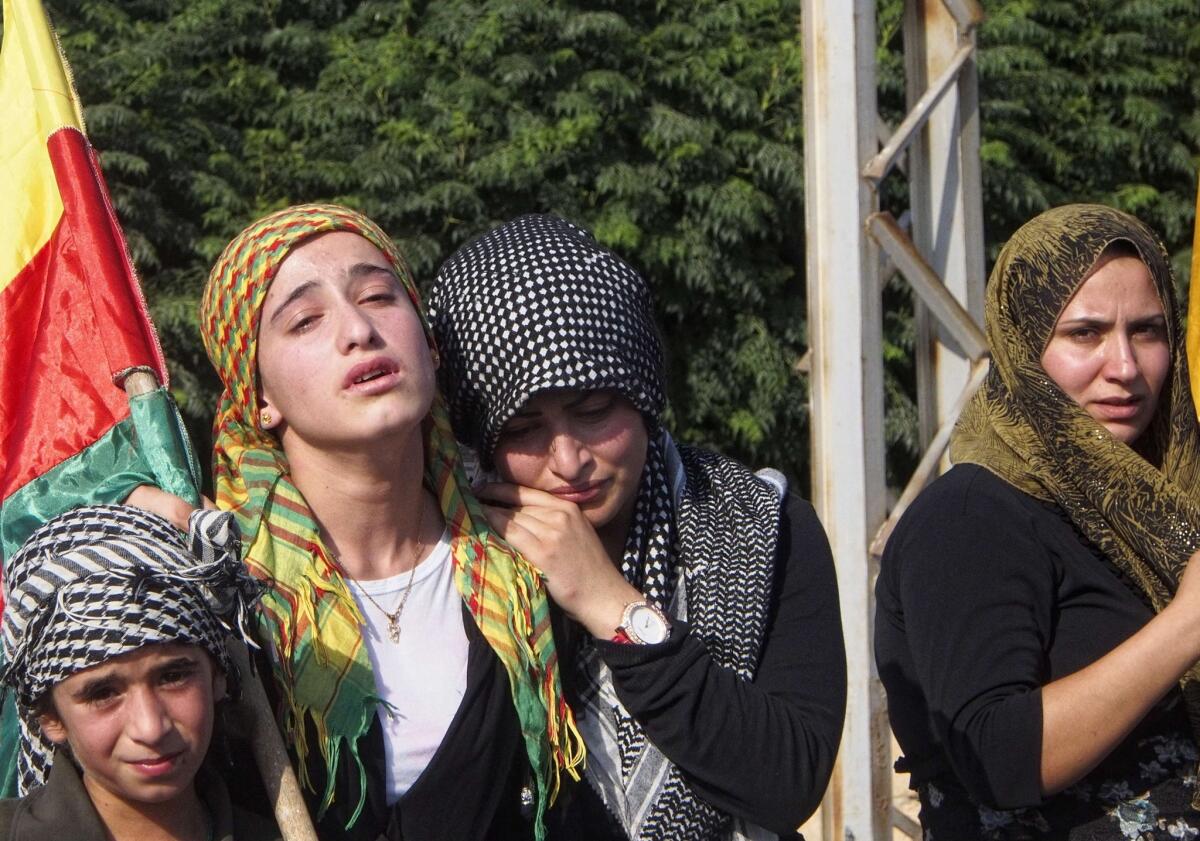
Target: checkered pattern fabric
[[726, 527], [538, 304], [102, 581], [649, 560]]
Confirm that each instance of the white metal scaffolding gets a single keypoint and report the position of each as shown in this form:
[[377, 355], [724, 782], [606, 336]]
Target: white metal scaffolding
[[848, 240]]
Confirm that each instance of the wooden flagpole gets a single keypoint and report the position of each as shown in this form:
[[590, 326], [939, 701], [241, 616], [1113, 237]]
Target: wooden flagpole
[[291, 813]]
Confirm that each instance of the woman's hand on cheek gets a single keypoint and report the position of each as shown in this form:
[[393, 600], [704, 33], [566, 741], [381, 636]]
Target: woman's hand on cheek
[[555, 537]]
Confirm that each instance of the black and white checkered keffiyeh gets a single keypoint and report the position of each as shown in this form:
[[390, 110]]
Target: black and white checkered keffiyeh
[[538, 304], [101, 581], [722, 545]]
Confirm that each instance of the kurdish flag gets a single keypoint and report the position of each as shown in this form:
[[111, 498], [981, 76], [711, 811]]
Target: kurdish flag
[[73, 322]]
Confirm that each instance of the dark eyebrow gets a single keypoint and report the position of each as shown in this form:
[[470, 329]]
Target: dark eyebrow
[[363, 269], [183, 661], [298, 292], [94, 685], [585, 396], [357, 271], [1084, 321]]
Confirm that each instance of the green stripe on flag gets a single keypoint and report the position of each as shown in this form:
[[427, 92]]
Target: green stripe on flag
[[163, 444], [147, 448], [10, 743]]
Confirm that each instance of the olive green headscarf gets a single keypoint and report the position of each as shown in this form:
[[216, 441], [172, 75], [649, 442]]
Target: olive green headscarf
[[1143, 512]]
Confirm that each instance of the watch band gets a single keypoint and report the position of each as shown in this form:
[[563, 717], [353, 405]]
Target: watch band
[[621, 637]]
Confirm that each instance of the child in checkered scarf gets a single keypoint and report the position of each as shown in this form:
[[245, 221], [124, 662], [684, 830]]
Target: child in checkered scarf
[[113, 638]]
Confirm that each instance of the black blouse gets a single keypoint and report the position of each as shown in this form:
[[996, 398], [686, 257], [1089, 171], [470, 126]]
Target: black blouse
[[762, 750], [471, 789], [984, 596]]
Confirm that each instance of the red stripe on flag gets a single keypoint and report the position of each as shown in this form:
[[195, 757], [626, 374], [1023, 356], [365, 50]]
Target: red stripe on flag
[[121, 314], [70, 320]]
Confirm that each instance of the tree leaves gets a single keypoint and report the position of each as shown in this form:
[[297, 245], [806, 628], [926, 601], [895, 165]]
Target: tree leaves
[[672, 130]]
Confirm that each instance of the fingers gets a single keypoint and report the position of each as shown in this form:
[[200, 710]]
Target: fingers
[[545, 525], [498, 518], [519, 495], [506, 523], [157, 501], [539, 511]]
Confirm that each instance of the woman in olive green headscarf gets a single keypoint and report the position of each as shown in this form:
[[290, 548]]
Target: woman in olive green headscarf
[[1036, 624]]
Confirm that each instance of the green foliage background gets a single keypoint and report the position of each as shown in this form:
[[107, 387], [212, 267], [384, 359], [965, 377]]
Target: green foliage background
[[671, 129]]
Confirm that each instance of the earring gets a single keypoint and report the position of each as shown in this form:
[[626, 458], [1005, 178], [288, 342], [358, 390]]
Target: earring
[[437, 357], [265, 418]]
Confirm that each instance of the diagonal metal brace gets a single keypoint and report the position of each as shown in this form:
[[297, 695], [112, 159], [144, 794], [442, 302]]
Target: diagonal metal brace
[[884, 229], [928, 467], [880, 165], [968, 14]]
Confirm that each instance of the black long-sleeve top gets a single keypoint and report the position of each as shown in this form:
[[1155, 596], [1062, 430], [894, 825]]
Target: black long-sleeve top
[[984, 596], [762, 750], [471, 789]]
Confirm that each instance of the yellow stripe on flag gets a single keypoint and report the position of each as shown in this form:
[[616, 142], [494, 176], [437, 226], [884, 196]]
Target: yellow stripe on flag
[[1193, 319], [36, 99]]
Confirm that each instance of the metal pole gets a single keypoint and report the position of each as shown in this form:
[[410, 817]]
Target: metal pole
[[845, 337], [266, 743], [945, 190]]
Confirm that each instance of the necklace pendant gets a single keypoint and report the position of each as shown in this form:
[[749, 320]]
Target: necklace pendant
[[394, 629]]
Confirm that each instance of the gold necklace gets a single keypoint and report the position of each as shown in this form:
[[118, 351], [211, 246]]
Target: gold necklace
[[394, 618]]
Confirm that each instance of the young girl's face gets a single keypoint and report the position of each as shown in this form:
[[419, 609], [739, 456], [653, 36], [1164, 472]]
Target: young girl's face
[[342, 353], [139, 724]]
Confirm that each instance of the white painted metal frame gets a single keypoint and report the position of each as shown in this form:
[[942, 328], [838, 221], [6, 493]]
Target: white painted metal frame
[[845, 338], [848, 239], [945, 190]]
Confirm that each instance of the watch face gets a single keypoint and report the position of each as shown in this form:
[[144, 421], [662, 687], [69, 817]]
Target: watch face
[[647, 624]]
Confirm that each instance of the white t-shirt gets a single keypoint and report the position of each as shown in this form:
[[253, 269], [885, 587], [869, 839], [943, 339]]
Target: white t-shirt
[[423, 677]]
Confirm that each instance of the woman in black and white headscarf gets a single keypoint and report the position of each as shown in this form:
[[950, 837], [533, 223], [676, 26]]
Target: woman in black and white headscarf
[[114, 643], [709, 673]]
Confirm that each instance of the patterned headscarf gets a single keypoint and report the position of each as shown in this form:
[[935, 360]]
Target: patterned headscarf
[[101, 581], [537, 304], [1142, 512], [310, 617]]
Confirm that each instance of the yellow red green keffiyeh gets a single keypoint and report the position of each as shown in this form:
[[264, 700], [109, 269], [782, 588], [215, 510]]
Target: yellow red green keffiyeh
[[308, 615]]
